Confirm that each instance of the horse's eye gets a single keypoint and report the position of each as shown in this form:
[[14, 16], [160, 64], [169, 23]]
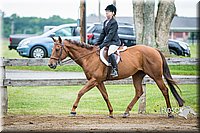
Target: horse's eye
[[57, 48]]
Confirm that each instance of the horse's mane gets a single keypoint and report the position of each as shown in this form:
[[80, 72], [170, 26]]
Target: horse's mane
[[80, 44]]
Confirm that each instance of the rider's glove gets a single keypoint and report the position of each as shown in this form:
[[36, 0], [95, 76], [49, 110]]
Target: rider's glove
[[101, 46]]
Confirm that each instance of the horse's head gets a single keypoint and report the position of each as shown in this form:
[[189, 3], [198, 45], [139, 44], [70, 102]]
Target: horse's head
[[59, 53]]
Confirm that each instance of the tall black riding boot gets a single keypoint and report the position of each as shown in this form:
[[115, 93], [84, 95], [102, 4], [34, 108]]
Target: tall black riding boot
[[113, 62]]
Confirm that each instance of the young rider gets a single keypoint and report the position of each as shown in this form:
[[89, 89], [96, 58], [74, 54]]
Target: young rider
[[109, 37]]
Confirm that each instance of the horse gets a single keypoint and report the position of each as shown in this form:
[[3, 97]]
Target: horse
[[137, 61]]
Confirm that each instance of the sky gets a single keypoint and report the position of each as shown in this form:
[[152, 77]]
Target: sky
[[70, 8]]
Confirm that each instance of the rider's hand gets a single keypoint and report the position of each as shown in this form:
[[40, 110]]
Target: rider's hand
[[97, 47], [101, 46]]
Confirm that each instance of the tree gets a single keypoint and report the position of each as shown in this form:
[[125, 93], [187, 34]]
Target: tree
[[138, 20], [144, 21], [153, 31], [31, 25], [165, 14]]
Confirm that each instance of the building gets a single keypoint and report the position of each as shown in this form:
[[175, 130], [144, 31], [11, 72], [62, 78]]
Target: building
[[184, 29]]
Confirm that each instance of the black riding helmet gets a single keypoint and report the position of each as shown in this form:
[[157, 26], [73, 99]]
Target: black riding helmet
[[111, 8]]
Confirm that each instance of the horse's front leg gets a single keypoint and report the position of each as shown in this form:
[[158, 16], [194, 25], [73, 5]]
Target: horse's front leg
[[104, 93], [89, 85]]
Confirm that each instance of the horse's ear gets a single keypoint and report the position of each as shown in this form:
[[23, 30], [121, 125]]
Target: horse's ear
[[53, 39], [59, 39]]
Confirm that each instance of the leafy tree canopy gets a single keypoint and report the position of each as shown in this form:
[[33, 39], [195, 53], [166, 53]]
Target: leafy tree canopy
[[31, 25]]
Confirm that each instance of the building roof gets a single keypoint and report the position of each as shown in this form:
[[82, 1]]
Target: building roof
[[184, 24]]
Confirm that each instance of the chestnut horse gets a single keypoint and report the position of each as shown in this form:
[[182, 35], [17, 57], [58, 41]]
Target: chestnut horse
[[137, 61]]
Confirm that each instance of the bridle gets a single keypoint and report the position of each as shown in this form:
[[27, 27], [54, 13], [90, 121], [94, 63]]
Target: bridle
[[59, 58], [60, 61]]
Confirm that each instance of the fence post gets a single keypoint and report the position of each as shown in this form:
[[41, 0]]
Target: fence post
[[142, 100], [4, 96]]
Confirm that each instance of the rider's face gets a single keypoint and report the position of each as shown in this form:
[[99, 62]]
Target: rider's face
[[109, 14]]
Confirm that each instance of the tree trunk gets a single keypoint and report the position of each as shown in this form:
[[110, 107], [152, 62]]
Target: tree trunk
[[149, 20], [138, 6], [143, 15], [165, 14]]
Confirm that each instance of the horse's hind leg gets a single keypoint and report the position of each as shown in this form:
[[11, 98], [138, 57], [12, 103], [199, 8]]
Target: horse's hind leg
[[165, 93], [137, 81]]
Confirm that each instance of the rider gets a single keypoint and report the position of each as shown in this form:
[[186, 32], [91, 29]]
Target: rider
[[109, 37]]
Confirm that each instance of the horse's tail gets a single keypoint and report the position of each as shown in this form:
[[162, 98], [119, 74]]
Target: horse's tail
[[170, 81]]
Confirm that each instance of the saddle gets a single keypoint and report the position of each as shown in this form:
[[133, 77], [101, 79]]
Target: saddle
[[104, 54]]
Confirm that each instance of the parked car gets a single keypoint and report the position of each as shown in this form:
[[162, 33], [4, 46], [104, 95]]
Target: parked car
[[179, 48], [41, 46], [127, 36], [16, 38], [125, 32]]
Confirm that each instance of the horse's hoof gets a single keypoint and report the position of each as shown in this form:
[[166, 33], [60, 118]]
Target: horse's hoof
[[125, 115], [170, 116], [72, 114], [110, 116]]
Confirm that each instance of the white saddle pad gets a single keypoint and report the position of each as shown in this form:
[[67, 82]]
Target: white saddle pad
[[117, 59]]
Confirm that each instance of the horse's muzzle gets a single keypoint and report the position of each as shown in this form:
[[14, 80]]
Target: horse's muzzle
[[52, 66]]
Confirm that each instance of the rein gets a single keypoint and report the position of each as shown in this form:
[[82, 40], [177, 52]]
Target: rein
[[69, 60], [79, 57]]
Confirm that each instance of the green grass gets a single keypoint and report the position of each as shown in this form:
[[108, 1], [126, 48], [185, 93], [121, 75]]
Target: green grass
[[9, 53], [59, 100], [184, 69]]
